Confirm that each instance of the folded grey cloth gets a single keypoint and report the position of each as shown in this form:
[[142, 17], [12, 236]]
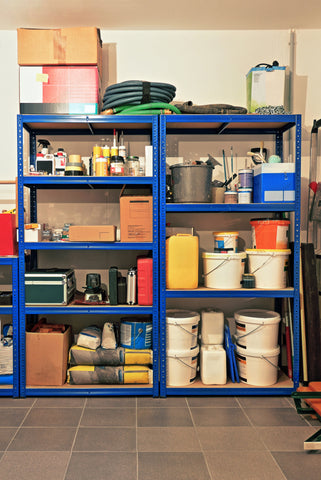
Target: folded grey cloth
[[218, 108]]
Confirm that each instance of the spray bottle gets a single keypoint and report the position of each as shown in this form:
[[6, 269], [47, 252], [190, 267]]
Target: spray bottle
[[45, 160], [114, 148]]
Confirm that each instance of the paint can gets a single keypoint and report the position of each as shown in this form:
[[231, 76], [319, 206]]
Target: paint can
[[246, 178], [244, 195], [230, 196], [225, 242]]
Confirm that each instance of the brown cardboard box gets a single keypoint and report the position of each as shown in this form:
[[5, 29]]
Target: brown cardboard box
[[92, 233], [60, 46], [47, 357], [136, 218]]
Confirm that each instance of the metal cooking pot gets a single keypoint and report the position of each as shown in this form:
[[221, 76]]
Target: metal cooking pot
[[192, 183]]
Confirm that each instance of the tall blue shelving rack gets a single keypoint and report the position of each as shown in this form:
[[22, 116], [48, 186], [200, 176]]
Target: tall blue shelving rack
[[218, 126], [9, 384], [84, 126]]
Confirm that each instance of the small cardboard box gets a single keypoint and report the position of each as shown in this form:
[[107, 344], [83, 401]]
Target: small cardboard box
[[136, 218], [8, 237], [60, 46], [92, 233], [267, 86], [59, 90], [274, 182], [46, 357]]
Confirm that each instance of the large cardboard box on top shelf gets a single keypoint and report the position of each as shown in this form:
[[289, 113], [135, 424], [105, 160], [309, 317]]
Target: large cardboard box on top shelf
[[60, 46], [136, 218], [47, 357]]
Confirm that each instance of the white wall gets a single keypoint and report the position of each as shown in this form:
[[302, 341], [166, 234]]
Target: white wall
[[205, 66]]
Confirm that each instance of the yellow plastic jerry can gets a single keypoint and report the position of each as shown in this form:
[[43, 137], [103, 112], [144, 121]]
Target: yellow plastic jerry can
[[182, 259]]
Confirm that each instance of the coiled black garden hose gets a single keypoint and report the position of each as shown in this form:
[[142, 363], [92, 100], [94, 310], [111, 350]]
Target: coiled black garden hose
[[139, 97]]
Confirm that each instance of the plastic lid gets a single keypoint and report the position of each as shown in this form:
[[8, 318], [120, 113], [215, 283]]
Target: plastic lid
[[266, 251], [225, 233], [182, 316], [191, 352], [281, 221], [257, 353], [256, 315], [245, 170], [221, 256]]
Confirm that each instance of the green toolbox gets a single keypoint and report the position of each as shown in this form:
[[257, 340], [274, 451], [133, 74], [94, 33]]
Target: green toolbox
[[50, 286]]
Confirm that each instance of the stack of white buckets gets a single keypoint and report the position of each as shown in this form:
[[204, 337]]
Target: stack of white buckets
[[257, 349], [182, 349]]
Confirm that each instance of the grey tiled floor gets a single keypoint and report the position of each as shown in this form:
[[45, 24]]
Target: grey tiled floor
[[177, 438]]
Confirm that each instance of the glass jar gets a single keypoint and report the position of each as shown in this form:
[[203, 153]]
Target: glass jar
[[117, 166], [133, 166]]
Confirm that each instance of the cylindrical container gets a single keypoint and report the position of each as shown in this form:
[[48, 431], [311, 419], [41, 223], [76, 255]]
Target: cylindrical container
[[269, 267], [134, 334], [212, 327], [270, 234], [244, 195], [257, 368], [213, 365], [248, 280], [74, 169], [230, 196], [132, 166], [122, 151], [223, 270], [257, 329], [246, 178], [97, 152], [181, 329], [181, 366], [131, 286], [114, 151], [225, 241], [192, 183], [101, 167], [117, 166]]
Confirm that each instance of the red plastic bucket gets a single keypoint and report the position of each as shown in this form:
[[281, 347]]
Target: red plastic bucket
[[270, 234]]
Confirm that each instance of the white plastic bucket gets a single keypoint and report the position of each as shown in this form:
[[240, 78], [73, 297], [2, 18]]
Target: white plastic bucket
[[181, 329], [257, 368], [226, 241], [223, 270], [269, 267], [257, 329], [181, 366]]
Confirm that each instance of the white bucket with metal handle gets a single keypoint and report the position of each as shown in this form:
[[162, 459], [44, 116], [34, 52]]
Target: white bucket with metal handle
[[257, 329], [222, 270], [269, 267], [181, 366], [181, 329], [257, 368]]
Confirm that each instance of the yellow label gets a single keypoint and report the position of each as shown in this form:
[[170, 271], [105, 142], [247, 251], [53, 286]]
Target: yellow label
[[42, 77]]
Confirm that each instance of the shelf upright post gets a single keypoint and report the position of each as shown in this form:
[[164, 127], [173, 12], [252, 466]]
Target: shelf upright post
[[162, 252]]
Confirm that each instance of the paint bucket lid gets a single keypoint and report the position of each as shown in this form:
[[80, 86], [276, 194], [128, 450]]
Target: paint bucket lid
[[191, 352], [265, 251], [273, 352], [222, 256], [174, 316], [256, 315], [245, 190], [224, 234], [246, 170], [230, 192], [267, 221]]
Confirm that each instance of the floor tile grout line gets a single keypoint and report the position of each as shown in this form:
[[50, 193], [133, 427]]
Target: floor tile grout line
[[199, 442], [18, 428], [74, 440]]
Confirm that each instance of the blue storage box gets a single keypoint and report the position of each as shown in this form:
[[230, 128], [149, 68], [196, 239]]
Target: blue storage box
[[274, 183]]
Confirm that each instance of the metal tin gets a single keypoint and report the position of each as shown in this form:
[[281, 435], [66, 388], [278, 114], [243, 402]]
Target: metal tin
[[230, 196], [131, 286], [248, 280], [246, 178], [244, 195]]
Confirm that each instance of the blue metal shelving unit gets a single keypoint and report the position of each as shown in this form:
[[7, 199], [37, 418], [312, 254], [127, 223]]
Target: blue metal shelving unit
[[10, 383], [217, 125], [80, 125]]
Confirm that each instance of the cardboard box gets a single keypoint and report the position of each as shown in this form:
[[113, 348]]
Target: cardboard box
[[60, 46], [274, 182], [8, 237], [136, 218], [92, 233], [267, 86], [59, 90], [46, 358]]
